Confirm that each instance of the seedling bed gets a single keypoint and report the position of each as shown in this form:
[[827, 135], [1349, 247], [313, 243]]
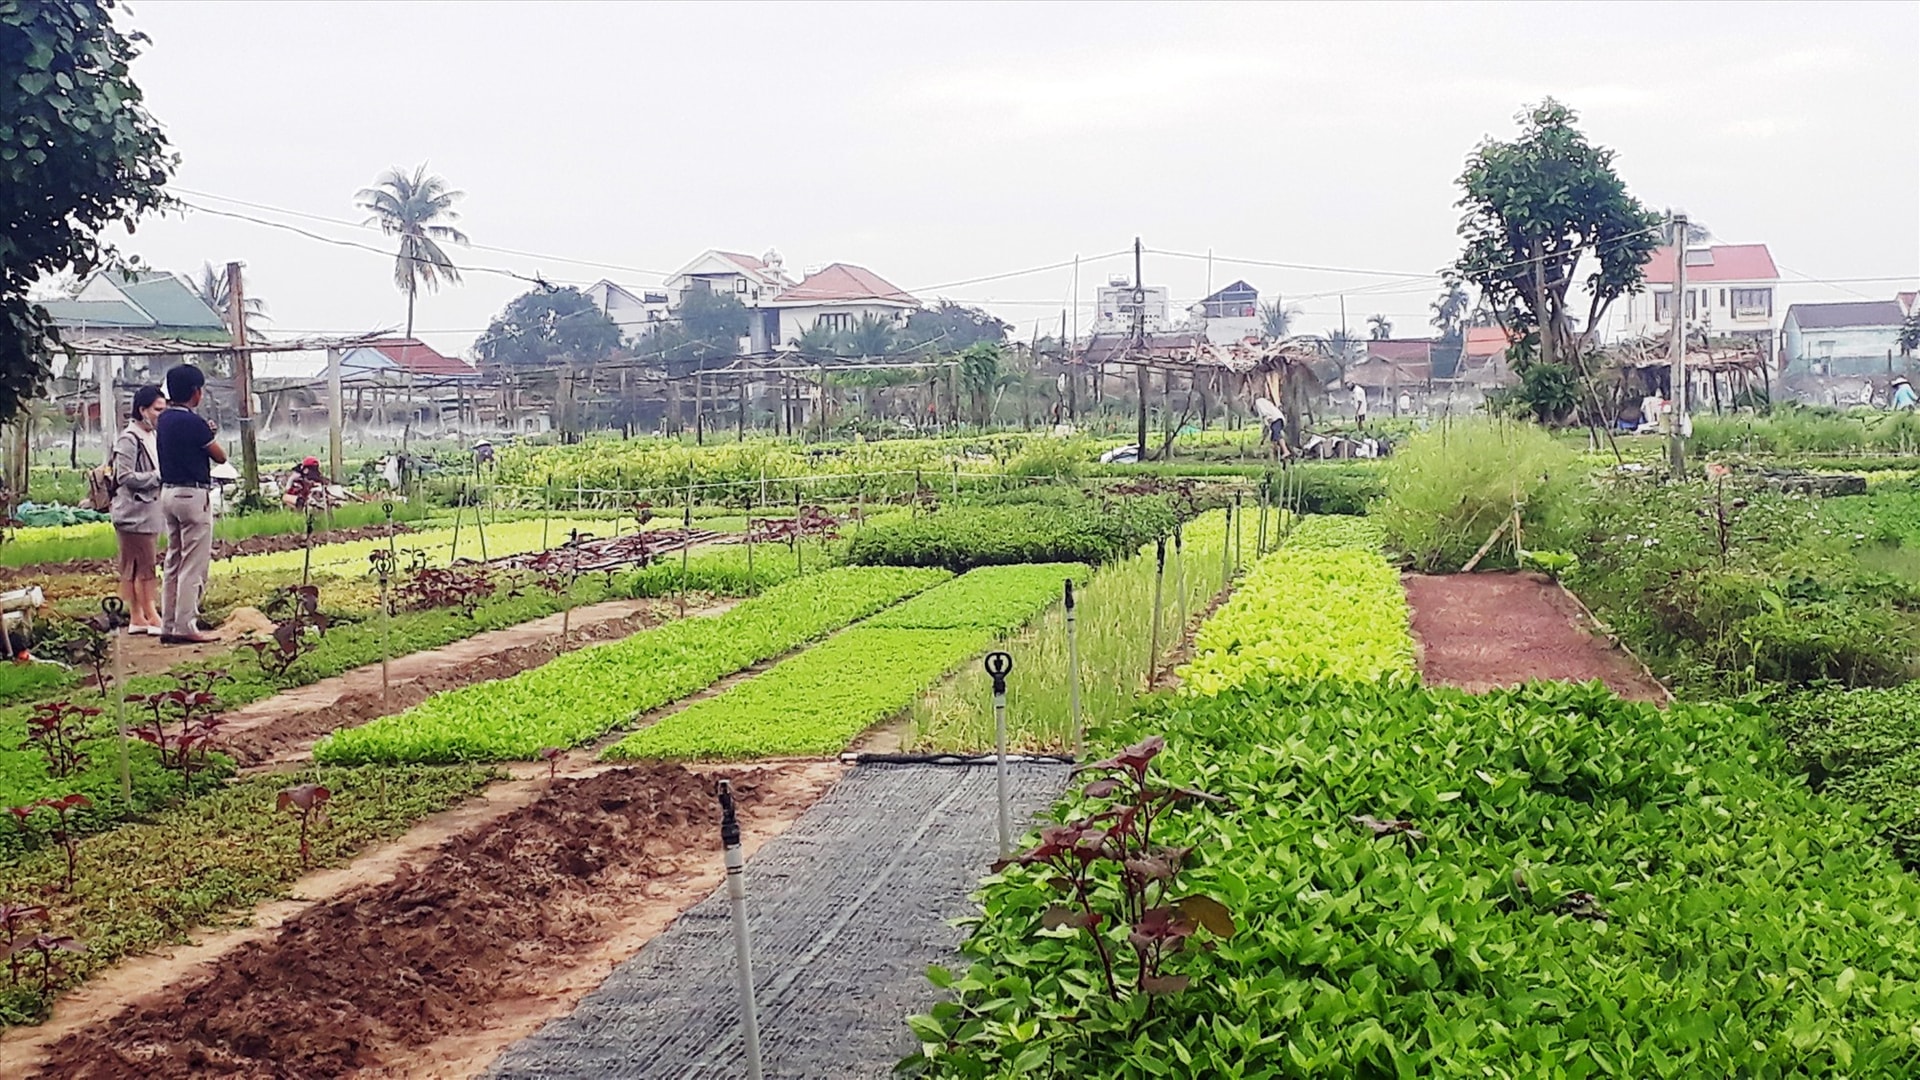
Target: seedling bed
[[1483, 631], [507, 918]]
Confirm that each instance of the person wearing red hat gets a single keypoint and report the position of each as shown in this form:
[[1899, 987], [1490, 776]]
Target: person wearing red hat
[[305, 485]]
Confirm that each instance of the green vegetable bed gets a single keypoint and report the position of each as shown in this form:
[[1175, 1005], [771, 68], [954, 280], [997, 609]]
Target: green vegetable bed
[[1596, 888], [818, 702], [1326, 605], [584, 694]]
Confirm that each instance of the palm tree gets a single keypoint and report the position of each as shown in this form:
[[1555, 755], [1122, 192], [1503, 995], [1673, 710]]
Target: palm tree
[[874, 336], [211, 287], [1379, 328], [980, 374], [415, 208], [1343, 346], [818, 340], [1276, 319], [1450, 310]]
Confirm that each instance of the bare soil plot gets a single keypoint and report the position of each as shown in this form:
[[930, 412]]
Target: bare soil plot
[[1481, 631], [433, 971]]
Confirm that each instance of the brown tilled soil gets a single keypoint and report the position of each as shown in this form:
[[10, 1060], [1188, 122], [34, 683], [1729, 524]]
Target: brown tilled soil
[[1481, 631], [435, 970], [285, 726]]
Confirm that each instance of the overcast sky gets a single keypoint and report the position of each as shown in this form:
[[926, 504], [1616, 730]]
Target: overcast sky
[[935, 144]]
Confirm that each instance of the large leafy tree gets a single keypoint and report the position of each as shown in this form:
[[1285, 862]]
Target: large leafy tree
[[948, 327], [543, 325], [418, 209], [708, 327], [78, 151], [1551, 201]]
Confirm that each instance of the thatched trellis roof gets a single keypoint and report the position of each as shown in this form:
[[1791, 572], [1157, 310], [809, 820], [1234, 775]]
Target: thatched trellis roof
[[1722, 354]]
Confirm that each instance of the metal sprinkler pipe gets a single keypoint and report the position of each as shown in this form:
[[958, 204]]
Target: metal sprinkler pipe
[[306, 558], [998, 665], [736, 864], [383, 569], [1159, 580], [118, 625], [1073, 670]]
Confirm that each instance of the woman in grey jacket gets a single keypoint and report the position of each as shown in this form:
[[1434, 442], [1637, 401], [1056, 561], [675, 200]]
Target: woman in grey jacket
[[136, 514]]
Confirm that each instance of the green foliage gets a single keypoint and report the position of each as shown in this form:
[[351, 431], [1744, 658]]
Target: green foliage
[[1733, 588], [1329, 609], [78, 152], [1863, 745], [948, 327], [1546, 394], [1791, 430], [151, 883], [1536, 882], [1449, 489], [584, 694], [1052, 459], [814, 703], [543, 325], [961, 538], [417, 208], [1326, 488], [1551, 200], [997, 598], [1337, 533], [709, 327], [1554, 564]]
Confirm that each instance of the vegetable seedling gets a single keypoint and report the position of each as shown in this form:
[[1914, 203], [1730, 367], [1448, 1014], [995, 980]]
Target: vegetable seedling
[[308, 801]]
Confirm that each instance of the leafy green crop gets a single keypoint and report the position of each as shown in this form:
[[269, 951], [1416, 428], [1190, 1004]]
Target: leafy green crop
[[999, 598], [586, 693], [963, 537], [814, 703], [1863, 745], [1542, 882], [1327, 605]]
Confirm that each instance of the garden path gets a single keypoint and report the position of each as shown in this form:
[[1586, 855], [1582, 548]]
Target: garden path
[[847, 909], [1481, 631]]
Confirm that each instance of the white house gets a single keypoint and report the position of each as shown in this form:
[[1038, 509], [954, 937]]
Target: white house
[[1852, 338], [1730, 293], [634, 313], [1229, 315], [836, 297], [1115, 305]]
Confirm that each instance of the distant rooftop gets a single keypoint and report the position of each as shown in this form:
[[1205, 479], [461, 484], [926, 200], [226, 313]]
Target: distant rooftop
[[1721, 262]]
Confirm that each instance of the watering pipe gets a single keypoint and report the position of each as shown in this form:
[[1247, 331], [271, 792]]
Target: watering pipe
[[998, 665], [742, 943], [1073, 669]]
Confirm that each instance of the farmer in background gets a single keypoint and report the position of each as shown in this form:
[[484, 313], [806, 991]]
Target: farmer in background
[[1903, 394], [135, 510], [305, 486], [1359, 406], [187, 453]]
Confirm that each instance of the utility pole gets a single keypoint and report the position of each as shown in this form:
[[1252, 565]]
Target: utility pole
[[1677, 376], [243, 385], [335, 455], [1066, 361], [1140, 347]]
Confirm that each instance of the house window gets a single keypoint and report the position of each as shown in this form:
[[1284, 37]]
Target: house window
[[1752, 302], [740, 285], [1691, 306], [1723, 298], [1663, 307], [840, 322]]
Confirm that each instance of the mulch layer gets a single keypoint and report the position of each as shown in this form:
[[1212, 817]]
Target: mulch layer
[[1481, 631]]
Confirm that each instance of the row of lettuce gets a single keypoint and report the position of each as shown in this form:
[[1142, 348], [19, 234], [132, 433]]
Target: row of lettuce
[[1409, 881]]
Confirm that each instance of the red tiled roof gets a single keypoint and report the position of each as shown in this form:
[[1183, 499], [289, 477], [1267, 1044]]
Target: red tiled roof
[[747, 261], [1905, 300], [1721, 262], [418, 357], [1485, 341], [1416, 350], [841, 282]]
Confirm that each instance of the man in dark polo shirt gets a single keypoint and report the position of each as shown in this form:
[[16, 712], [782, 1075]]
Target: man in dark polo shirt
[[187, 451]]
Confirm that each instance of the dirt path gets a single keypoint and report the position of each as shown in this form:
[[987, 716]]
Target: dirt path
[[1481, 631], [284, 727], [434, 967]]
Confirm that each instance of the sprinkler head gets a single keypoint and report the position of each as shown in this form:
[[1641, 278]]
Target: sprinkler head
[[1069, 594], [998, 665], [729, 822]]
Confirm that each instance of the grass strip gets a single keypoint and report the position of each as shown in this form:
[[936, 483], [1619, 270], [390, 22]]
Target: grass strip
[[584, 694], [1114, 625], [149, 883]]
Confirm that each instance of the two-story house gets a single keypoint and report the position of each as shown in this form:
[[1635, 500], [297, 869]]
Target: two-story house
[[636, 314], [836, 297], [1230, 315], [1729, 293]]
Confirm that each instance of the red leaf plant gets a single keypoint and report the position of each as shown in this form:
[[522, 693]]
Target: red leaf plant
[[309, 802], [1114, 874]]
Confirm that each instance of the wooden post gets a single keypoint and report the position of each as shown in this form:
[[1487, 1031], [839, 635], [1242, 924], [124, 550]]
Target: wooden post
[[335, 454], [109, 420], [243, 384]]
